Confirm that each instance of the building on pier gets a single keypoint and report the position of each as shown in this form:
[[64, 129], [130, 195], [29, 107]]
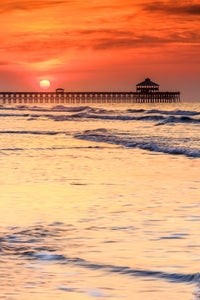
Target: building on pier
[[146, 92], [60, 90], [147, 86]]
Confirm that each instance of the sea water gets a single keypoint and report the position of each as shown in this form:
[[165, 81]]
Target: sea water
[[100, 202]]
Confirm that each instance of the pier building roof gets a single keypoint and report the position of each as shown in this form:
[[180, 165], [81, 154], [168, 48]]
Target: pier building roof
[[147, 82]]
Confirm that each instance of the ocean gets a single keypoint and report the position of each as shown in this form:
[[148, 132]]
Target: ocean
[[100, 202]]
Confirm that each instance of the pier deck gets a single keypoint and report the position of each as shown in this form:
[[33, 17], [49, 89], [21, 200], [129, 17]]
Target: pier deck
[[87, 97]]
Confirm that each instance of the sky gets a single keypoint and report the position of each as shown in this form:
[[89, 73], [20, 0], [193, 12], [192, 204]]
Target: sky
[[103, 45]]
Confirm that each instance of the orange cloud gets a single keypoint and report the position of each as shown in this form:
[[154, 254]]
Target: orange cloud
[[179, 9], [84, 42], [9, 6]]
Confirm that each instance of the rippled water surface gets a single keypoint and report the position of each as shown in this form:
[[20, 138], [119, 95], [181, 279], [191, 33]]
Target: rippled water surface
[[100, 202]]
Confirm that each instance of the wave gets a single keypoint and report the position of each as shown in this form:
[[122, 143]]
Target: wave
[[182, 119], [104, 117], [175, 112], [32, 132], [153, 144], [78, 108], [106, 136], [62, 108], [165, 112], [14, 115], [163, 120], [40, 242], [71, 113], [57, 108], [123, 270]]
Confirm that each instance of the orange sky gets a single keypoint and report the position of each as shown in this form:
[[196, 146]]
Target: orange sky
[[100, 45]]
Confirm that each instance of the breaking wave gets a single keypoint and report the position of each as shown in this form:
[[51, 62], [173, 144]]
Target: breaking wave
[[154, 145], [182, 119]]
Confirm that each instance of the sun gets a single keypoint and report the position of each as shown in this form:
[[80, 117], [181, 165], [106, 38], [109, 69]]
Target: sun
[[45, 84]]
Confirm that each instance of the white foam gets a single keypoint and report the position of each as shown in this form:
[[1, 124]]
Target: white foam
[[150, 145]]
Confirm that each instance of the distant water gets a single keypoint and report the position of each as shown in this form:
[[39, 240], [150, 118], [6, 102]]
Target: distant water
[[100, 202]]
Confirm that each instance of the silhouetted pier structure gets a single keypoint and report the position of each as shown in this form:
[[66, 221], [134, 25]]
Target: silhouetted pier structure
[[146, 92]]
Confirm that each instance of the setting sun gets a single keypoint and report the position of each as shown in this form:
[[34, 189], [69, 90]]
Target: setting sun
[[45, 84]]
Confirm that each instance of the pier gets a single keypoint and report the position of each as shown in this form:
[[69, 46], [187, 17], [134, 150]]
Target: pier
[[146, 92]]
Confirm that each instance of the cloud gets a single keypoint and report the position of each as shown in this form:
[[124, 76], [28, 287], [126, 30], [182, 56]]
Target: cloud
[[105, 38], [80, 40], [34, 49], [128, 43], [28, 5], [4, 63], [9, 6], [173, 8], [104, 31]]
